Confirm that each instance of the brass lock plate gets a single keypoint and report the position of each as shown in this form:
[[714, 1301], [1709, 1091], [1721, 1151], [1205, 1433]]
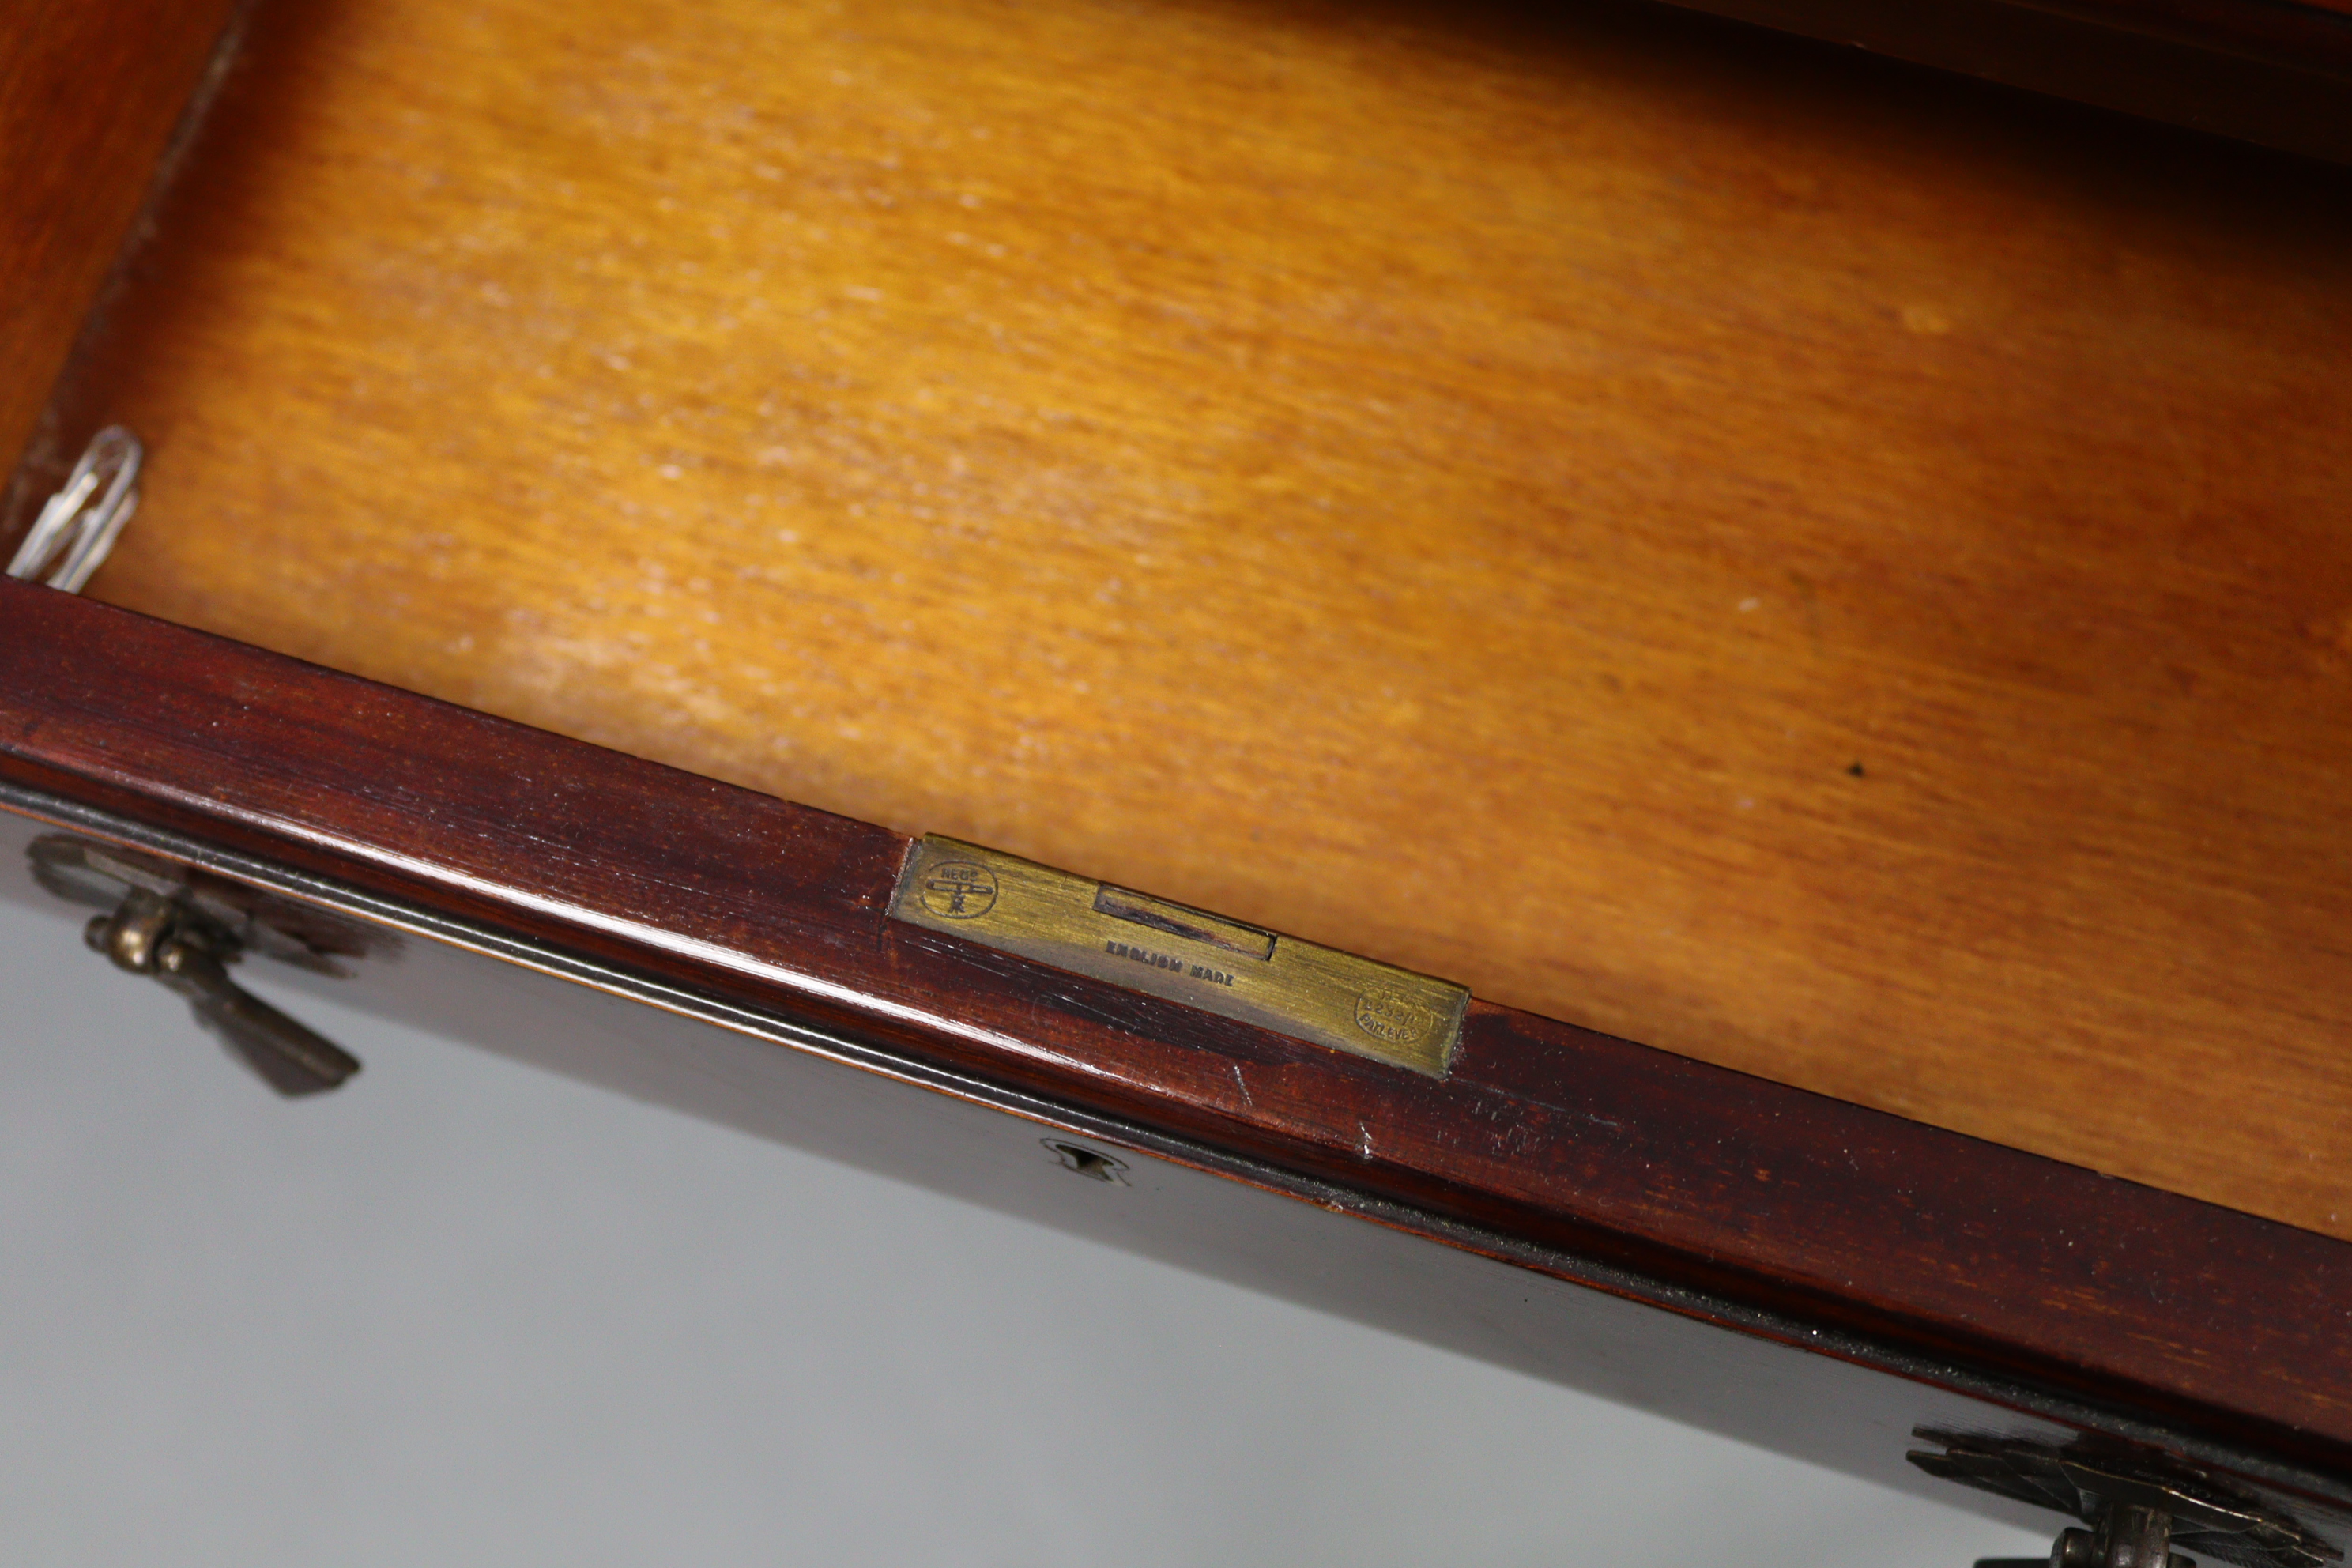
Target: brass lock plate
[[1278, 982]]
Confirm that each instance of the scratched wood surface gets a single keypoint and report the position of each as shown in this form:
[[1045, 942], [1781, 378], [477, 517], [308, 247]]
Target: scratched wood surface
[[1819, 567]]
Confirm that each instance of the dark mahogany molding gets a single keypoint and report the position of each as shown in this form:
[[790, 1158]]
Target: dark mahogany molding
[[2128, 1298], [2274, 71]]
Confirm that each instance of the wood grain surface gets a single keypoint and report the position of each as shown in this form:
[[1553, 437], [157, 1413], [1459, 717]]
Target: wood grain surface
[[2128, 1314], [1824, 569], [89, 93]]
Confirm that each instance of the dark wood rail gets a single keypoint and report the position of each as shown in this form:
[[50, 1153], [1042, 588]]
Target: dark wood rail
[[2181, 1312], [2267, 72]]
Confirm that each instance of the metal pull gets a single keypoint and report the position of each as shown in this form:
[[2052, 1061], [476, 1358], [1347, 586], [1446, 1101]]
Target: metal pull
[[2141, 1504], [189, 955], [79, 524], [2127, 1536]]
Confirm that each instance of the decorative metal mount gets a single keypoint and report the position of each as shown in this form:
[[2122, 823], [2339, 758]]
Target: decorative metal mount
[[184, 930], [2139, 1506]]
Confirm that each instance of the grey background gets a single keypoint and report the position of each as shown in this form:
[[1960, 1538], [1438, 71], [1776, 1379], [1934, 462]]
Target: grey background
[[465, 1313]]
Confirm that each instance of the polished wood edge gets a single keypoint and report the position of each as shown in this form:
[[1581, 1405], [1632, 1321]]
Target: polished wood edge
[[2274, 74], [2174, 1312], [2001, 1400], [2300, 36], [1906, 1395]]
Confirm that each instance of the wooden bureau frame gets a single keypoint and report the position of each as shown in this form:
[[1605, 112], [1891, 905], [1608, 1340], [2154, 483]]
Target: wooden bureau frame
[[1795, 1269]]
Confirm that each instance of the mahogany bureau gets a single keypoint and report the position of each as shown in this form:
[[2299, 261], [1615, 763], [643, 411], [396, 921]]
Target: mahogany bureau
[[1469, 535]]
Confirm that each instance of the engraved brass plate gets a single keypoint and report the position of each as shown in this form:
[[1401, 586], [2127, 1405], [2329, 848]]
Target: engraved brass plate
[[1278, 982]]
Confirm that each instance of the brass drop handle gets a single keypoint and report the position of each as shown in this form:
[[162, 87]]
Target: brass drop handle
[[2129, 1536], [2141, 1502], [169, 942]]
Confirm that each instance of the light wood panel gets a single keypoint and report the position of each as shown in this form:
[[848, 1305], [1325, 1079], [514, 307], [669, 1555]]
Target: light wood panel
[[1804, 564]]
